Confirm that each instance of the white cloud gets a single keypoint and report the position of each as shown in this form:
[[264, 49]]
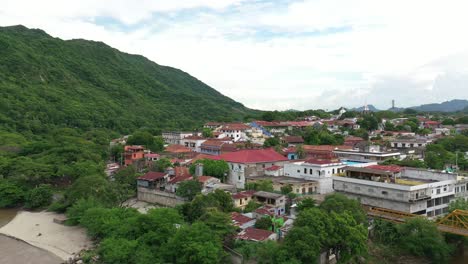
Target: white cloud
[[271, 57]]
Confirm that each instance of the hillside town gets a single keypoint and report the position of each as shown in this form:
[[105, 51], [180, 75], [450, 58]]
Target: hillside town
[[268, 168]]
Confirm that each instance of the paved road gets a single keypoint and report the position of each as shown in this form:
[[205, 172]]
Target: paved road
[[17, 252]]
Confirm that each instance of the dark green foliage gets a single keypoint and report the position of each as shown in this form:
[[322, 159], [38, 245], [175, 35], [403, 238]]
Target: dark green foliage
[[194, 244], [420, 237], [459, 203], [215, 168], [146, 139], [189, 189], [369, 122], [77, 210], [219, 222], [207, 133], [10, 194], [98, 188], [161, 165], [264, 223], [251, 206], [271, 142], [306, 203], [260, 185], [339, 203], [201, 204], [286, 189], [40, 196], [321, 136]]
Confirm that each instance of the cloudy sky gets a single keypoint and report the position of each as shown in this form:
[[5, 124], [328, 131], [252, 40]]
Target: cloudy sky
[[281, 54]]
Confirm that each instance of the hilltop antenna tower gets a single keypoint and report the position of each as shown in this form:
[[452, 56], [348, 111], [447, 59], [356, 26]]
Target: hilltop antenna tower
[[393, 103]]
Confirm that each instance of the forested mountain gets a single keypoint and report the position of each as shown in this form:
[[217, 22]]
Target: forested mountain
[[62, 101], [46, 81]]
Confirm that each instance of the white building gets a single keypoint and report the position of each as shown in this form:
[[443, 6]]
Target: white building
[[175, 137], [315, 170], [407, 190], [193, 142], [356, 155]]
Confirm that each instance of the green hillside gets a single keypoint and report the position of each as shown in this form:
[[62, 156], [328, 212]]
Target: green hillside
[[62, 101], [86, 84]]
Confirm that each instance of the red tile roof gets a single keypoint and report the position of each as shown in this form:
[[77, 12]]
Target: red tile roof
[[204, 179], [239, 219], [324, 147], [251, 156], [235, 126], [264, 210], [194, 137], [244, 194], [152, 175], [152, 155], [254, 234], [322, 161], [391, 168], [133, 148], [177, 149], [273, 168]]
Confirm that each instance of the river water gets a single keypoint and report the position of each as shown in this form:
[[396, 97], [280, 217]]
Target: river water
[[6, 215]]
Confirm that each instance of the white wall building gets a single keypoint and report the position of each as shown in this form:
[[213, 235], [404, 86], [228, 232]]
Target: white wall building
[[316, 170]]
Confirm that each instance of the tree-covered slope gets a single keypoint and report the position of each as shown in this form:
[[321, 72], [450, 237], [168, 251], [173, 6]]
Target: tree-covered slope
[[46, 81]]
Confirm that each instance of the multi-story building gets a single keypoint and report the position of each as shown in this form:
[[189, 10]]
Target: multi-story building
[[366, 156], [250, 162], [409, 190], [410, 142], [132, 154], [193, 142], [175, 137], [318, 170], [236, 131]]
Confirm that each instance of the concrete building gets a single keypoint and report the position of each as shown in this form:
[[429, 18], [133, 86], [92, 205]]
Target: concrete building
[[407, 190], [317, 170], [175, 137], [410, 142], [235, 131], [299, 186], [193, 142], [369, 156], [250, 162]]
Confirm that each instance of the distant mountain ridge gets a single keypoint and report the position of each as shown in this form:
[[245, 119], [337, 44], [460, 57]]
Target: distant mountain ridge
[[447, 106]]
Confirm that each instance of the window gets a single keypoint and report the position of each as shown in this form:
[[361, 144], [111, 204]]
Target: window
[[333, 171], [310, 171], [305, 171], [384, 192], [239, 167], [298, 171], [370, 190], [445, 188], [438, 191], [239, 177], [438, 201], [357, 188], [263, 165]]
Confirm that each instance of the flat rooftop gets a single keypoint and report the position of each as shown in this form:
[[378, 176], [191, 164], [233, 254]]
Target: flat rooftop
[[282, 179]]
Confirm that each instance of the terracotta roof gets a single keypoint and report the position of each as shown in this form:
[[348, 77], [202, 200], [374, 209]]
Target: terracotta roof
[[152, 155], [264, 211], [239, 219], [289, 150], [152, 175], [200, 157], [134, 147], [177, 149], [244, 194], [235, 126], [194, 137], [204, 179], [215, 142], [273, 168], [300, 123], [322, 161], [251, 156], [391, 168], [432, 122], [354, 138], [324, 147], [181, 174], [293, 139], [270, 124], [254, 234]]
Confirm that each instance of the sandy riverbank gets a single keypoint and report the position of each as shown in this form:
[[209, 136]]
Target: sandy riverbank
[[63, 241]]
